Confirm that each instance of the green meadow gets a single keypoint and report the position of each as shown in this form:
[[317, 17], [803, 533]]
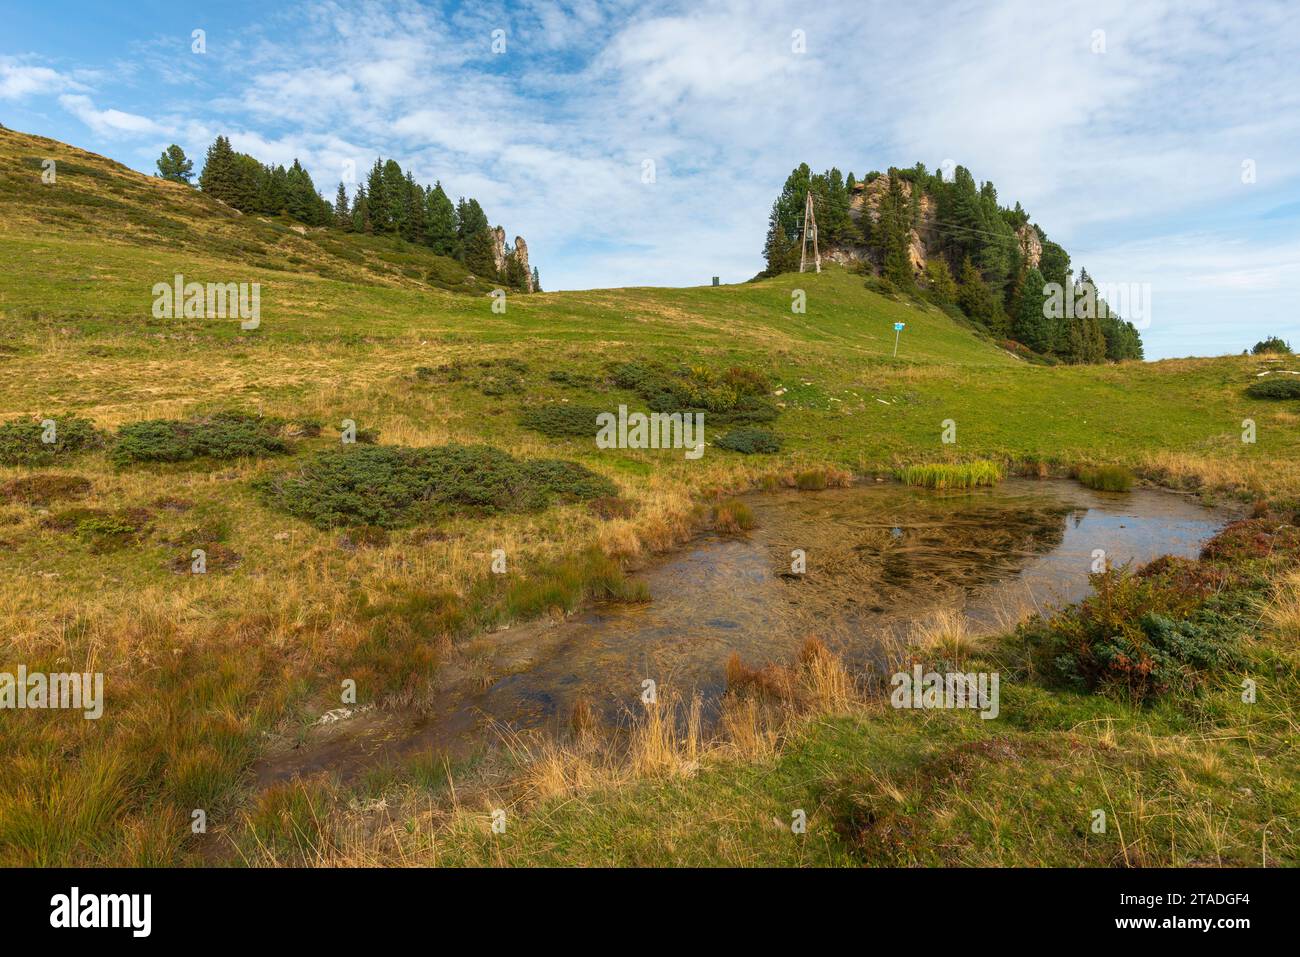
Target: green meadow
[[208, 673]]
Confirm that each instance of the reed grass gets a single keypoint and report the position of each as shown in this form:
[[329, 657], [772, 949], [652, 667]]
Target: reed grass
[[956, 475]]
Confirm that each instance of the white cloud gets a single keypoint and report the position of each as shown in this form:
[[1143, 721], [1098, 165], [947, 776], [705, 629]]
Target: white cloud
[[108, 122], [19, 80], [1112, 153]]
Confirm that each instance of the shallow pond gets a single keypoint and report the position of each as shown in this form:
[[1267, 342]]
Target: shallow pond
[[877, 558]]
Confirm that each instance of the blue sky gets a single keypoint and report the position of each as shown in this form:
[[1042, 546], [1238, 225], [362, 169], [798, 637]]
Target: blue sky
[[1126, 145]]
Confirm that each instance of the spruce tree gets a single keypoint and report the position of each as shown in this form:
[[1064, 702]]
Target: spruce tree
[[394, 187], [342, 211], [377, 199], [480, 254], [939, 280], [440, 222], [218, 173], [1029, 325], [361, 211], [780, 251]]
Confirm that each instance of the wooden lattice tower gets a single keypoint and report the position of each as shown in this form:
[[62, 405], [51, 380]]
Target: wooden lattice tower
[[809, 229]]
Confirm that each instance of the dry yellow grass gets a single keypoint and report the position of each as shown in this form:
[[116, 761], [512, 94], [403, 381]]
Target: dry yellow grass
[[1282, 613]]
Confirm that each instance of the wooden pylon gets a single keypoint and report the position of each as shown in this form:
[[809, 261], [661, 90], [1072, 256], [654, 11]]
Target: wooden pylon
[[809, 229]]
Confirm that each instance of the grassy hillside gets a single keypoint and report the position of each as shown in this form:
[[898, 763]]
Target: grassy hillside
[[202, 668]]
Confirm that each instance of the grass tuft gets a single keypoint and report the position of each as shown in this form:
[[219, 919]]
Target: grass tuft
[[943, 475]]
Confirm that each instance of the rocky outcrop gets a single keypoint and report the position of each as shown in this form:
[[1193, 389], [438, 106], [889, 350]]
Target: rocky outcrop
[[865, 201], [1031, 247], [499, 249], [521, 255]]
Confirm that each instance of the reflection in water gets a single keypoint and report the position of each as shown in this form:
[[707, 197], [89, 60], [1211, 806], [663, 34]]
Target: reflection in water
[[877, 559]]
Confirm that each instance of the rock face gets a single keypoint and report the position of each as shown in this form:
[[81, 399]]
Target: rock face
[[499, 249], [1031, 247], [865, 201], [501, 254], [521, 254]]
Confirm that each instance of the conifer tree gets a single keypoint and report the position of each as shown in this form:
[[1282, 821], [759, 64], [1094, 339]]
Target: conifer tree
[[480, 254], [217, 177], [1030, 326], [342, 211], [174, 165], [440, 222], [377, 199]]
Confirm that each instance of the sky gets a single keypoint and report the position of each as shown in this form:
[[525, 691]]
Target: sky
[[635, 143]]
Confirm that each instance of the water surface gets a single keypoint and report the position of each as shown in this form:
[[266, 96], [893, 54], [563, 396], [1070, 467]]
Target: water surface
[[878, 558]]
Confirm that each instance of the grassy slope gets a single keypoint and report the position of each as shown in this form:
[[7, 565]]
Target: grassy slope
[[343, 327]]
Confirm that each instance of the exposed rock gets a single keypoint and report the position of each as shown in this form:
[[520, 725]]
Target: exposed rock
[[499, 249], [865, 199], [1031, 247], [521, 254]]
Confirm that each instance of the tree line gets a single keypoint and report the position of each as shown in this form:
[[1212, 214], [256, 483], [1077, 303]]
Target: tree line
[[979, 267], [389, 202]]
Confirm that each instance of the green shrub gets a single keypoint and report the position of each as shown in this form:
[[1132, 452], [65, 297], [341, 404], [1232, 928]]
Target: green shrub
[[392, 486], [225, 435], [1137, 637], [101, 529], [557, 420], [1273, 344], [564, 377], [23, 441], [944, 475], [749, 441], [1106, 478], [736, 395], [1275, 388]]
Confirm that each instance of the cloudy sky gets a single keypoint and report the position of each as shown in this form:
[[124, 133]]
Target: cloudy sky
[[1158, 142]]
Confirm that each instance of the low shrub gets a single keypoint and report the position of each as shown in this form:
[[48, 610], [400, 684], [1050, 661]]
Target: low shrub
[[224, 435], [749, 441], [952, 475], [1254, 539], [1136, 638], [45, 440], [102, 529], [392, 486], [736, 395], [1106, 478], [1275, 388], [574, 379], [561, 420]]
